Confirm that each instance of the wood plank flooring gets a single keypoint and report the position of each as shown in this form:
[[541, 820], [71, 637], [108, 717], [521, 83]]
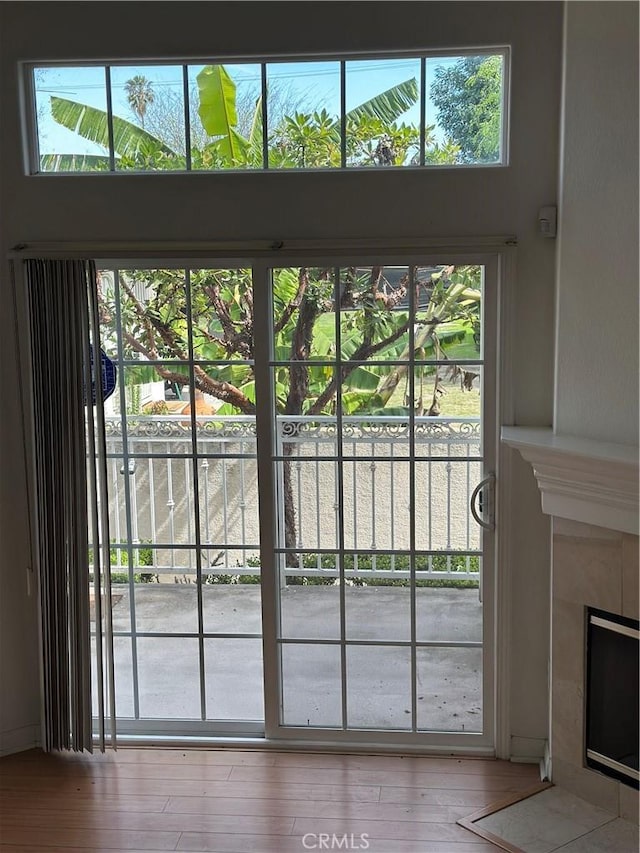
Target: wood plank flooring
[[253, 801]]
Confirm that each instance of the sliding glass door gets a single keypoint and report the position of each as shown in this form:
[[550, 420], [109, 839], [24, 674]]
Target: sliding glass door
[[181, 447], [381, 394], [293, 452]]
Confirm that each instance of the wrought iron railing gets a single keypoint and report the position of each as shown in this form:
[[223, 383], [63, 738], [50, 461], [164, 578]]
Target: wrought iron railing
[[155, 490]]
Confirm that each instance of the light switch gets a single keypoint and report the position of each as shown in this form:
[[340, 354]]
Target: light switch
[[548, 221]]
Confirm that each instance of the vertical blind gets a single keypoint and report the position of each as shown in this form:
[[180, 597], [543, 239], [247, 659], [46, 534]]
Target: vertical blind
[[70, 507]]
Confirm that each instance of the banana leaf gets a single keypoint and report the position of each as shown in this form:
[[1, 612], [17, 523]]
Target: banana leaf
[[218, 113], [74, 163], [91, 123], [387, 106]]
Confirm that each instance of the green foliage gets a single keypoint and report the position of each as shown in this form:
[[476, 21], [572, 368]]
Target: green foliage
[[231, 579], [74, 163], [397, 562], [301, 139], [217, 111], [133, 144], [387, 106], [305, 140], [366, 562], [468, 99], [222, 320], [372, 142], [123, 577], [430, 583], [385, 562], [120, 557], [445, 154]]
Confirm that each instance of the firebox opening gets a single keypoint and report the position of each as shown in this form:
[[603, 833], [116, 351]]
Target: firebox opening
[[612, 691]]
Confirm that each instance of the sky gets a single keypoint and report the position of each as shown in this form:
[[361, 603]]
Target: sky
[[316, 84]]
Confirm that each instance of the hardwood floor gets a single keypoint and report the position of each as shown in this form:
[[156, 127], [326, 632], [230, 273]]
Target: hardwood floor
[[247, 801]]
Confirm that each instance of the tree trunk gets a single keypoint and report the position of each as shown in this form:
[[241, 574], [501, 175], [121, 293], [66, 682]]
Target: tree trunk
[[308, 312], [290, 523]]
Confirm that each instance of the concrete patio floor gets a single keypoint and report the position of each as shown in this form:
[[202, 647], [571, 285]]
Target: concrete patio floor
[[449, 678]]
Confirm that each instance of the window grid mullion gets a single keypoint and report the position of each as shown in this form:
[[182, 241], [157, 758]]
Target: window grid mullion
[[265, 116], [343, 115], [187, 117], [127, 499], [423, 109], [340, 497], [112, 153], [269, 494], [196, 494], [412, 497]]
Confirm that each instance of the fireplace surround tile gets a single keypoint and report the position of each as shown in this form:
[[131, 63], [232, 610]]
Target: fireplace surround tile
[[568, 640], [630, 577], [588, 572], [567, 734], [629, 804]]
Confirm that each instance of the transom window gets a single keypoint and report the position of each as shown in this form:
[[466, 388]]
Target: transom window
[[394, 111]]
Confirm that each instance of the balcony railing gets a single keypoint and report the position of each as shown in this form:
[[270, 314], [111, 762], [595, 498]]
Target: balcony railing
[[369, 464]]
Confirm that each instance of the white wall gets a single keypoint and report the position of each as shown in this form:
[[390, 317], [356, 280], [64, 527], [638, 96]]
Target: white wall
[[374, 204], [597, 309], [19, 674]]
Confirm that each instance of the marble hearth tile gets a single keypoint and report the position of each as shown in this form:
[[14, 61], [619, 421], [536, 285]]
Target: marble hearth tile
[[629, 804], [576, 529], [617, 836], [586, 783], [544, 822], [567, 708], [588, 572], [567, 638], [630, 577]]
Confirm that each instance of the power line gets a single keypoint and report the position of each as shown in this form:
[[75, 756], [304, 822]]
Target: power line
[[371, 65]]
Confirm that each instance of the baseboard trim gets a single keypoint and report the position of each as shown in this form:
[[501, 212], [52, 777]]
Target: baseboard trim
[[527, 749], [19, 740], [545, 764]]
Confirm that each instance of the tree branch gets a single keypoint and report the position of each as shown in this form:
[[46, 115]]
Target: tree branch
[[139, 309], [205, 383], [233, 341], [300, 351], [361, 354]]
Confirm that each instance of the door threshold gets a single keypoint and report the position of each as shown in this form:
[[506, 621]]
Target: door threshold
[[287, 745]]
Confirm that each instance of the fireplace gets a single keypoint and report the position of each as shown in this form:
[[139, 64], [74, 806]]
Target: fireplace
[[612, 692]]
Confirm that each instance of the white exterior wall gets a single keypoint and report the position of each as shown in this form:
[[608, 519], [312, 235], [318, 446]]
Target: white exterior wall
[[597, 313], [372, 204]]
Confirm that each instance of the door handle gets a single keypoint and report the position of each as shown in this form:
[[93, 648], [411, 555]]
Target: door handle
[[479, 503]]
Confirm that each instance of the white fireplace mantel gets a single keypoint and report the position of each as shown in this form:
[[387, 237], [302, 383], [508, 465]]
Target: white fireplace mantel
[[594, 482]]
